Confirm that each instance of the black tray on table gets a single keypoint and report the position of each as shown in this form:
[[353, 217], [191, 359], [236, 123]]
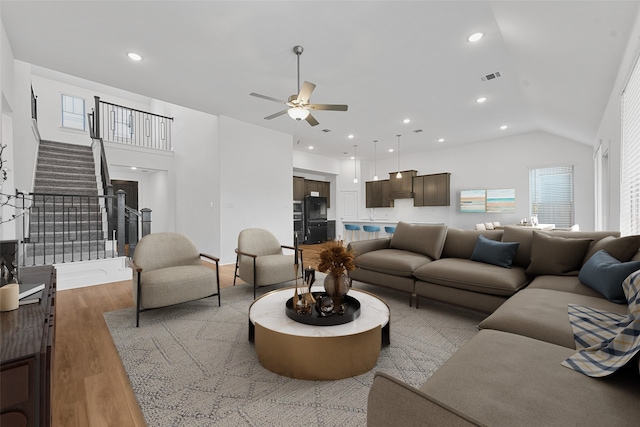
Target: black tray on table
[[351, 312]]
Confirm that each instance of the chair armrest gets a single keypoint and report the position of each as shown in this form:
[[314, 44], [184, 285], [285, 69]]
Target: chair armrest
[[211, 257], [293, 248], [239, 252], [134, 266]]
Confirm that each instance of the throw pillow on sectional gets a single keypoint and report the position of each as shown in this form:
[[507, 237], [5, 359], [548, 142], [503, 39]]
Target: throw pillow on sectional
[[556, 255], [497, 253], [605, 274], [621, 248]]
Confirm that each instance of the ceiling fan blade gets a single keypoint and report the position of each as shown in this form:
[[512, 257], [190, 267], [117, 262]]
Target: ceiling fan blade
[[305, 92], [334, 107], [312, 120], [268, 98], [278, 114]]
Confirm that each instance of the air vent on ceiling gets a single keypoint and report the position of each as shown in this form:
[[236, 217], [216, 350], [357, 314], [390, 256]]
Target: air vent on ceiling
[[418, 130], [326, 130], [491, 76]]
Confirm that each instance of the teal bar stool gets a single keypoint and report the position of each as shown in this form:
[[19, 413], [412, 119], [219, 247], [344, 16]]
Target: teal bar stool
[[371, 231], [390, 230], [352, 228]]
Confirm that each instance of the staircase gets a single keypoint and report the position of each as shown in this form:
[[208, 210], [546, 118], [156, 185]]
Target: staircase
[[66, 220]]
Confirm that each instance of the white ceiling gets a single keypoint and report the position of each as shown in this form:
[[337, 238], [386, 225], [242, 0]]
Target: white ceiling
[[388, 60]]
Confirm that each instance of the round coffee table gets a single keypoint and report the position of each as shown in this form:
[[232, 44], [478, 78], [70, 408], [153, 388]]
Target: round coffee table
[[309, 352]]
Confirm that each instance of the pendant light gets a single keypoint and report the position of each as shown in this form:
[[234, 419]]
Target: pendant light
[[398, 175], [355, 164], [375, 160]]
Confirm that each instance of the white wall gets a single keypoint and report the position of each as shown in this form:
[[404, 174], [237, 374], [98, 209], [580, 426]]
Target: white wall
[[256, 183], [49, 86], [196, 188], [609, 131], [501, 163]]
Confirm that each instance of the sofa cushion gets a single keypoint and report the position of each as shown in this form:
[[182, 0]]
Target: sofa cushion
[[569, 284], [524, 236], [556, 255], [472, 276], [460, 243], [496, 253], [621, 248], [605, 274], [543, 314], [391, 261], [503, 379], [425, 239]]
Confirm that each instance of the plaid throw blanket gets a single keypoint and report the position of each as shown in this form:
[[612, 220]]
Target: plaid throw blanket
[[606, 341]]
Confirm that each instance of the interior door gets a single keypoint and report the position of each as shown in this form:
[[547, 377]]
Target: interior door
[[129, 187], [348, 208], [131, 200]]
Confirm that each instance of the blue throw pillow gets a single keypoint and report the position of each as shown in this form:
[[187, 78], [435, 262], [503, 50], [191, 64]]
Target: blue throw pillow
[[605, 274], [496, 253]]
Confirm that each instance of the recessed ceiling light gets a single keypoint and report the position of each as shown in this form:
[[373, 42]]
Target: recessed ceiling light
[[441, 140], [133, 168], [475, 37], [503, 127], [391, 150], [405, 121], [481, 100], [352, 158], [134, 56], [350, 136], [311, 147]]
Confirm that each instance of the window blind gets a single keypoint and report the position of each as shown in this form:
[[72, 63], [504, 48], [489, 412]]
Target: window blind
[[551, 195], [630, 162]]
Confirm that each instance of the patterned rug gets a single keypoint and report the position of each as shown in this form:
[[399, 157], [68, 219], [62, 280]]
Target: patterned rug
[[192, 364]]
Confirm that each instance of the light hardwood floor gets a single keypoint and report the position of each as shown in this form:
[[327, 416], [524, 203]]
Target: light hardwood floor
[[90, 386]]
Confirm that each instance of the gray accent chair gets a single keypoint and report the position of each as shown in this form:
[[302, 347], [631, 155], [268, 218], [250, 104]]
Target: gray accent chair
[[260, 260], [168, 270]]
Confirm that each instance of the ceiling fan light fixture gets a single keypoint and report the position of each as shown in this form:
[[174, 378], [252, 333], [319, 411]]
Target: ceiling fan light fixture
[[298, 113]]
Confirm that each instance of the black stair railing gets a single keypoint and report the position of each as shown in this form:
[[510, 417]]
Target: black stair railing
[[59, 228], [118, 123]]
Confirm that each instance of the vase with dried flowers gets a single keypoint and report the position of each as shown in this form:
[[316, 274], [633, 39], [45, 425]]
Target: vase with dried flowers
[[336, 260]]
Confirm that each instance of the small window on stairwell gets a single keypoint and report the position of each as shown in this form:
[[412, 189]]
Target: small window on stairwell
[[122, 127], [73, 116]]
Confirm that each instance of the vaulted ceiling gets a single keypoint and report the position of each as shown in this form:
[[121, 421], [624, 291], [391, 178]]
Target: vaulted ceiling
[[388, 60]]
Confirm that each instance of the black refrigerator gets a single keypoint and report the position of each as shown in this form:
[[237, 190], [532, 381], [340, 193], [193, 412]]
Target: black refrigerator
[[315, 219]]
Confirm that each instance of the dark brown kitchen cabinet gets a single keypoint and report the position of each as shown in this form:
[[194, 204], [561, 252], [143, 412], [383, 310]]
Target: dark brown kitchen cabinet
[[298, 188], [377, 194], [27, 336], [432, 190], [401, 188], [321, 187]]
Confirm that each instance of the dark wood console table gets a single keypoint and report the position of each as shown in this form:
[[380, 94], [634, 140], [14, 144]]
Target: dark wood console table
[[26, 351]]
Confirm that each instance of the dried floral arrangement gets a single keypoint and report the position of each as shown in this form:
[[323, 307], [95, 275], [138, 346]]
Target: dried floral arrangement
[[335, 258]]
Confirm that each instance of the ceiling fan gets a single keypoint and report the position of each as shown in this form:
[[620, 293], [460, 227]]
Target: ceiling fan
[[299, 104]]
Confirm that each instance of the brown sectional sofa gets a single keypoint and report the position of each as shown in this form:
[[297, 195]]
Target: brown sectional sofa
[[510, 373]]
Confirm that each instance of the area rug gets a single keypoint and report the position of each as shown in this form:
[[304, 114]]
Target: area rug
[[192, 364]]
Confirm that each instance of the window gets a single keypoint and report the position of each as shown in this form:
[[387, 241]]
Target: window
[[73, 116], [630, 161], [551, 195], [122, 126]]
